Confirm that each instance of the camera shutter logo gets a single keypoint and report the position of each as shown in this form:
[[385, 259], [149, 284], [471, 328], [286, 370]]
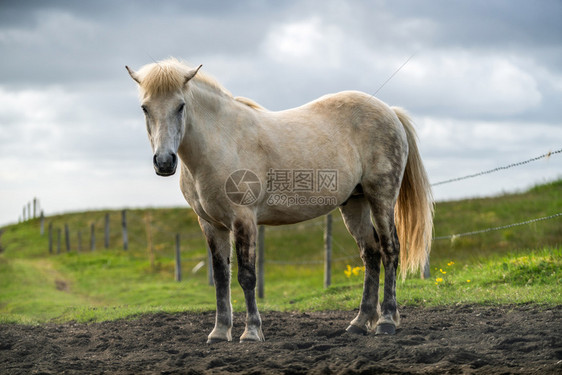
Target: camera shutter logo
[[243, 187]]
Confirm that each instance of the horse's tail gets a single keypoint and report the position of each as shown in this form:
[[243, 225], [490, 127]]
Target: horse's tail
[[413, 213]]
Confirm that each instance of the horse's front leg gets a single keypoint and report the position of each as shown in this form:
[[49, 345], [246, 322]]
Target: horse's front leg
[[245, 240], [219, 244]]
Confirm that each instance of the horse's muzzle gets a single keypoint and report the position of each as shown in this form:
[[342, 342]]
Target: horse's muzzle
[[165, 164]]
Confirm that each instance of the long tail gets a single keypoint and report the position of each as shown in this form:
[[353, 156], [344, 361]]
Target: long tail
[[413, 213]]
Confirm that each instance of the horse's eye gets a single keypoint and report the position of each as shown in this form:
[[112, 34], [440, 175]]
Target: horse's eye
[[181, 107], [144, 110]]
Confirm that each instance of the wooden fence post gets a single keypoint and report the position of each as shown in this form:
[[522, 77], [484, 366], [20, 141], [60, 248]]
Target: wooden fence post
[[210, 268], [59, 235], [425, 271], [67, 237], [328, 252], [34, 208], [92, 237], [149, 246], [178, 258], [42, 217], [124, 226], [106, 239], [50, 238], [261, 261]]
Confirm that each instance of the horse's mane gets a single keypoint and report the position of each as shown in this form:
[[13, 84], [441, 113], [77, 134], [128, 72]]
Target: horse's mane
[[249, 102], [169, 75]]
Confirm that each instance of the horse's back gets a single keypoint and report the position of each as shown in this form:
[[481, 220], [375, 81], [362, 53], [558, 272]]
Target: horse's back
[[368, 128], [347, 119]]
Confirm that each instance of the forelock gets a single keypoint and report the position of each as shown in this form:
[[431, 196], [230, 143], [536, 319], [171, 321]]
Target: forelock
[[162, 77]]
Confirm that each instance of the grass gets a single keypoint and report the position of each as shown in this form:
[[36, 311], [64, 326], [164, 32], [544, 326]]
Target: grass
[[474, 214], [517, 265], [525, 276], [32, 291]]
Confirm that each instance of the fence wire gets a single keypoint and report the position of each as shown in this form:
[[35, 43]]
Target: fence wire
[[453, 236], [547, 155]]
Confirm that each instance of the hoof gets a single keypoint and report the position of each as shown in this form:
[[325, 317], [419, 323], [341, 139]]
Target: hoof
[[252, 336], [385, 329], [219, 336], [356, 330], [215, 340]]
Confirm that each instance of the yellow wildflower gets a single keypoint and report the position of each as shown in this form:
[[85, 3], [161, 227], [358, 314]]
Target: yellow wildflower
[[467, 281], [443, 272], [439, 280], [450, 263], [348, 271]]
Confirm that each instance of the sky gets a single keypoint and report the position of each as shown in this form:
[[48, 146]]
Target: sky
[[483, 84]]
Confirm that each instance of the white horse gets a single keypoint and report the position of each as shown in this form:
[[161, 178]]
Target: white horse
[[242, 165]]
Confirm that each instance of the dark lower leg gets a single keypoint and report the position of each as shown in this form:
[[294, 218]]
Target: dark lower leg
[[389, 304], [245, 238], [223, 320], [369, 308], [357, 217], [253, 319], [219, 244], [390, 317]]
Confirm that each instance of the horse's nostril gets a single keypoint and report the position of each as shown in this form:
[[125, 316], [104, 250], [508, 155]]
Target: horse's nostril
[[165, 164]]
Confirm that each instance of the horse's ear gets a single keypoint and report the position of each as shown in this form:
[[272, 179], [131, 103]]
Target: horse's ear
[[191, 74], [133, 74]]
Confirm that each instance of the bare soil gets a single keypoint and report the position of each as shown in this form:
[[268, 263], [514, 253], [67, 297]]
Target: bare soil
[[463, 339]]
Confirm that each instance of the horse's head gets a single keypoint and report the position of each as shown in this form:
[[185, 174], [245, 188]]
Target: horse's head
[[163, 101]]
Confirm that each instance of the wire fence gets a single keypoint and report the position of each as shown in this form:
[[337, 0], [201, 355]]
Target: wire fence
[[140, 231], [497, 169], [487, 230]]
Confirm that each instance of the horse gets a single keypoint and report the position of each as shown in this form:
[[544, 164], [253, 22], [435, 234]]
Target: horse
[[243, 166]]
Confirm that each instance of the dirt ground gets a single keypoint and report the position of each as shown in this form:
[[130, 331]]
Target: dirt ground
[[449, 340]]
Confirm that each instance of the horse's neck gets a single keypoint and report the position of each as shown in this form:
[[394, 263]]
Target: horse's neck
[[217, 126]]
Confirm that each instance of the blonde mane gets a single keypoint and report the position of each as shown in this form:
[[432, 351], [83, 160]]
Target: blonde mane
[[169, 75], [249, 102]]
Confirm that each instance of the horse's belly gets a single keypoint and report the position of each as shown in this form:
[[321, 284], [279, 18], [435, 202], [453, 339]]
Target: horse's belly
[[294, 207]]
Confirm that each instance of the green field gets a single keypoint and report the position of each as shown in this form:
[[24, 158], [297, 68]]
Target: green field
[[517, 265]]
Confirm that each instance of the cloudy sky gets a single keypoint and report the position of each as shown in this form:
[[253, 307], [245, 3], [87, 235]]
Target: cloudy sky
[[484, 85]]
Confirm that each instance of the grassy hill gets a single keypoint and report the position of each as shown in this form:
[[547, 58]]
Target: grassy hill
[[519, 264]]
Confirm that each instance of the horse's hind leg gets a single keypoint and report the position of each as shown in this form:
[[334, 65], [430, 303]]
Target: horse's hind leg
[[245, 240], [357, 218], [219, 244], [382, 209]]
